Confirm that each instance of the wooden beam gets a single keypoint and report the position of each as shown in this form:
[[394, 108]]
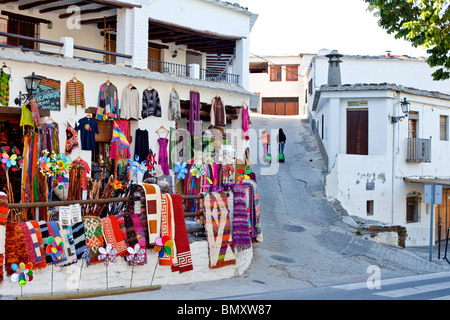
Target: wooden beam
[[116, 4], [87, 11], [64, 7], [98, 20], [35, 4]]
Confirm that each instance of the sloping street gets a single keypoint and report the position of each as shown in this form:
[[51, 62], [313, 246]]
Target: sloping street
[[306, 243]]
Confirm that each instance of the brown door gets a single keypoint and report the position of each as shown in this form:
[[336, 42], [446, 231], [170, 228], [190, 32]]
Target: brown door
[[280, 108], [154, 59], [443, 215], [291, 108], [357, 131], [268, 106]]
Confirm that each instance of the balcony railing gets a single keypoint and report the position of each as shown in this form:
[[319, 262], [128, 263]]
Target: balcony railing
[[418, 150], [183, 70]]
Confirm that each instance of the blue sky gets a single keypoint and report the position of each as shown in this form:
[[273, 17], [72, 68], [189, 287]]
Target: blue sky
[[305, 26]]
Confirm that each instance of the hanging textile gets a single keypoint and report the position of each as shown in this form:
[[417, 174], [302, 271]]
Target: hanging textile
[[163, 158], [79, 239], [71, 139], [15, 247], [151, 105], [94, 236], [241, 234], [217, 114], [3, 221], [26, 118], [35, 112], [120, 145], [194, 114], [75, 94], [141, 145], [183, 259], [174, 106], [167, 228], [113, 235], [245, 123], [58, 233], [218, 232], [153, 206], [108, 102], [4, 87], [257, 230], [88, 128], [129, 105]]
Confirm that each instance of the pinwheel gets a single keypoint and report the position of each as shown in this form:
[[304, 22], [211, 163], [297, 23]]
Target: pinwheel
[[61, 164], [136, 255], [163, 246], [108, 254], [198, 170], [180, 169], [45, 163], [12, 161], [244, 175], [55, 248], [23, 273]]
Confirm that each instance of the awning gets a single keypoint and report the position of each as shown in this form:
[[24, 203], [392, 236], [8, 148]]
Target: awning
[[441, 181]]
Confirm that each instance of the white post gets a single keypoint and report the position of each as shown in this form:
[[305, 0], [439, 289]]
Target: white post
[[194, 71], [67, 49], [132, 36], [241, 65]]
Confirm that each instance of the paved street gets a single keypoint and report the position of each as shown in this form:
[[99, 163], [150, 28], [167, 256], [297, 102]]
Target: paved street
[[308, 249]]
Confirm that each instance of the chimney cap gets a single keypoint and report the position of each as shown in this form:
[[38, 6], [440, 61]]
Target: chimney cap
[[334, 54]]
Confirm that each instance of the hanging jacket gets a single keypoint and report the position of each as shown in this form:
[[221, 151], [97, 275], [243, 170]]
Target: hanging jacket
[[151, 106]]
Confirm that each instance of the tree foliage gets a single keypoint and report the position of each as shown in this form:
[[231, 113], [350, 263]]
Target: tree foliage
[[422, 22]]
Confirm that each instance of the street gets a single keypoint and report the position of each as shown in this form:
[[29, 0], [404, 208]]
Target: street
[[308, 250]]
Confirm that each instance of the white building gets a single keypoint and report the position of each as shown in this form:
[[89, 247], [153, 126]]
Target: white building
[[279, 83], [377, 168], [197, 46]]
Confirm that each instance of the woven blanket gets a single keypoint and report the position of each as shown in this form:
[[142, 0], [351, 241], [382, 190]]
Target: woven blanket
[[167, 228], [69, 245], [113, 234], [45, 232], [153, 203], [257, 213], [94, 235], [79, 239], [184, 258], [217, 228], [31, 243], [141, 235], [37, 231], [3, 219], [241, 233], [15, 248], [123, 229]]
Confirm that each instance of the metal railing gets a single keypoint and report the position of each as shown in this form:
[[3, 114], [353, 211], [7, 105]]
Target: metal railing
[[418, 150], [183, 70]]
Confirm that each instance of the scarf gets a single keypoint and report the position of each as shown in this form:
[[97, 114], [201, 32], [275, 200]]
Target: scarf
[[31, 243], [15, 248], [184, 258], [141, 235], [153, 203], [167, 228], [241, 234], [257, 232], [3, 219], [94, 236], [113, 234], [217, 228], [79, 239]]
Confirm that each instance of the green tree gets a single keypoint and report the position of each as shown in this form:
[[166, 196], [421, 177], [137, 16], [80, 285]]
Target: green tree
[[422, 22]]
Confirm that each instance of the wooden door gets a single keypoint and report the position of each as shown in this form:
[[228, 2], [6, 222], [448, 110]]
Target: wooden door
[[357, 131], [291, 108], [280, 108], [154, 59], [442, 215]]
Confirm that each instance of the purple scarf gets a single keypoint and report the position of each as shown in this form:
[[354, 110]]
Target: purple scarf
[[241, 234]]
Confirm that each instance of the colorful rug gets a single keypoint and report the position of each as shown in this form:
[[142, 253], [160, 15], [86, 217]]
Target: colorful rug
[[167, 228], [37, 230], [15, 248], [79, 239], [141, 234], [113, 234], [217, 228], [94, 235], [241, 233], [153, 203], [184, 258]]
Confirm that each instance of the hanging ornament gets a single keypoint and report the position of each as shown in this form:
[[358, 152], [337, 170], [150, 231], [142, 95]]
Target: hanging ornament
[[150, 161], [22, 273], [180, 169], [244, 175]]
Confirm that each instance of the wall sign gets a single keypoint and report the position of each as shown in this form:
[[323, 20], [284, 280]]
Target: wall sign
[[48, 94]]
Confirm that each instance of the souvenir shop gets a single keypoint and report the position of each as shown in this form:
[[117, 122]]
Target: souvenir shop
[[112, 177]]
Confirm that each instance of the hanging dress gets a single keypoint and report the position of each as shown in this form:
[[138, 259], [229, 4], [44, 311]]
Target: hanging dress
[[163, 158]]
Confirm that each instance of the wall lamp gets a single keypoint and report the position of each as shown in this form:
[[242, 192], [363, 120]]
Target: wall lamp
[[32, 83], [405, 108], [175, 54]]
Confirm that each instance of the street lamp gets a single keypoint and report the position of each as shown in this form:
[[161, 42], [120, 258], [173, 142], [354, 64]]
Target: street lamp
[[32, 83], [405, 108]]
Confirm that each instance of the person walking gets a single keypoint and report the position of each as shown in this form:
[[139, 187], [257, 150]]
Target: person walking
[[265, 137], [281, 139]]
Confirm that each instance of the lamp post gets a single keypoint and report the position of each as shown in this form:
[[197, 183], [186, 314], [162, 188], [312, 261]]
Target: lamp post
[[32, 83], [405, 108]]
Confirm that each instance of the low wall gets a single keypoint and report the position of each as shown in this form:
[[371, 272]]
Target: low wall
[[93, 278]]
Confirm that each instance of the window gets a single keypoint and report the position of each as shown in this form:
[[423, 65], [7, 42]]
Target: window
[[358, 131], [413, 119], [292, 73], [24, 26], [443, 125], [369, 207], [412, 209], [275, 73]]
